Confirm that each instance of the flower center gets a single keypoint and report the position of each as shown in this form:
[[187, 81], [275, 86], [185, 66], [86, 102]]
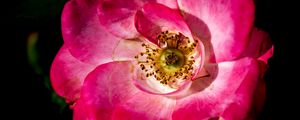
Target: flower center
[[172, 63], [171, 59]]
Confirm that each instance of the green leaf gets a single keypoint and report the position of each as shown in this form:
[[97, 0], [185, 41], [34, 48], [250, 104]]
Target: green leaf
[[32, 53]]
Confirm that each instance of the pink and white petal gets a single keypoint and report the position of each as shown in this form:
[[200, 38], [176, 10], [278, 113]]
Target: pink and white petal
[[126, 50], [232, 77], [169, 3], [259, 93], [106, 87], [118, 15], [240, 109], [260, 46], [229, 23], [67, 74], [87, 40], [109, 93], [144, 106], [154, 18]]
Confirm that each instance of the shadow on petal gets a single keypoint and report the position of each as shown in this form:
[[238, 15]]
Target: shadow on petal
[[201, 31]]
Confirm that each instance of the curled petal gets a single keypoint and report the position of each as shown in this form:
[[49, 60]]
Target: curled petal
[[218, 97], [87, 40], [264, 57], [67, 74], [154, 18], [224, 24], [260, 45]]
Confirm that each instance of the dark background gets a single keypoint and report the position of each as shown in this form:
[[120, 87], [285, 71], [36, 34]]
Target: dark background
[[36, 100]]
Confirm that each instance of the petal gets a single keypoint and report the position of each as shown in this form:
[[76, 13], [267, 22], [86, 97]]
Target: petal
[[240, 75], [126, 50], [260, 46], [169, 3], [223, 24], [107, 86], [118, 15], [67, 74], [80, 112], [83, 34], [154, 18], [259, 99], [251, 98], [143, 106], [267, 55], [109, 93]]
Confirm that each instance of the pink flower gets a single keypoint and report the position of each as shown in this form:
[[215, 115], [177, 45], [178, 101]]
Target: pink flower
[[163, 59]]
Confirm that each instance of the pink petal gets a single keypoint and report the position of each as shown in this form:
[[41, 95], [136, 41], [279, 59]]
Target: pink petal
[[80, 112], [222, 25], [154, 18], [83, 34], [169, 3], [260, 46], [143, 106], [107, 86], [267, 55], [118, 15], [241, 108], [234, 83], [127, 49], [67, 74], [109, 93], [251, 98], [259, 99]]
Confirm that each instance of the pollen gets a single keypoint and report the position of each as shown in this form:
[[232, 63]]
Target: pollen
[[172, 61]]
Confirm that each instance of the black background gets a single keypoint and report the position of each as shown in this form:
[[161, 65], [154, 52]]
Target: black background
[[33, 99]]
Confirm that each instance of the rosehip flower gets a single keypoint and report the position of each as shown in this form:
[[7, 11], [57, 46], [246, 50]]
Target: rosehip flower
[[163, 59]]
